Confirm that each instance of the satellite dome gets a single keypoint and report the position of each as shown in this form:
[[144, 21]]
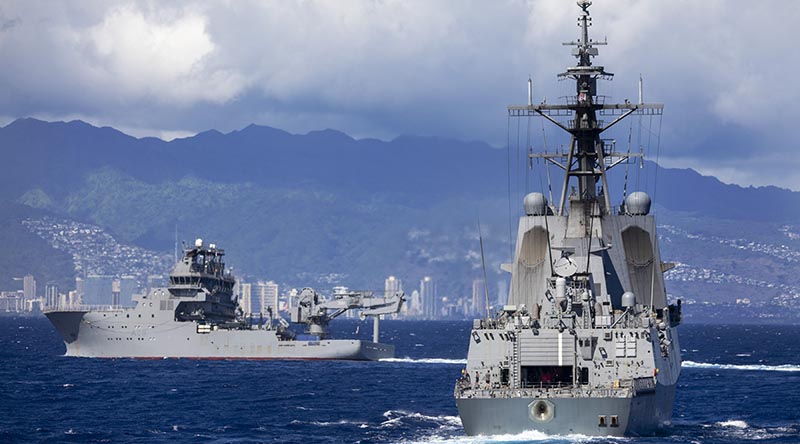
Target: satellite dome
[[637, 204], [628, 299], [535, 204]]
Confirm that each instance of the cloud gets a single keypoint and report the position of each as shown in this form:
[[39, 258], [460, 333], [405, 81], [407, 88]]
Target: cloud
[[159, 56], [387, 67]]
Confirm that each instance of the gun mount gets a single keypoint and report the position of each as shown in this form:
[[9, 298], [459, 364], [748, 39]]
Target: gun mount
[[316, 312]]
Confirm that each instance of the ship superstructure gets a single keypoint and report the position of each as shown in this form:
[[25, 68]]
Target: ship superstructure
[[587, 343], [197, 316]]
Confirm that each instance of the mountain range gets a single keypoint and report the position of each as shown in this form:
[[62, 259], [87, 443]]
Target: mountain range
[[324, 208]]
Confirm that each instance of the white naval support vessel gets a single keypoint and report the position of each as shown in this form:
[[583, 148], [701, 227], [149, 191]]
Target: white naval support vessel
[[587, 343], [197, 316]]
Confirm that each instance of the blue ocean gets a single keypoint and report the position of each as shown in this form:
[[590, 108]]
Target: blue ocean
[[738, 384]]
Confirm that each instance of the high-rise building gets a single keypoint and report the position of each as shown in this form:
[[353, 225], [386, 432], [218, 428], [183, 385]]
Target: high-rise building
[[430, 301], [246, 297], [392, 286], [51, 295], [115, 292], [478, 307], [127, 288], [291, 298], [502, 292], [79, 290], [11, 302], [29, 287], [97, 290], [415, 305], [272, 297], [268, 297]]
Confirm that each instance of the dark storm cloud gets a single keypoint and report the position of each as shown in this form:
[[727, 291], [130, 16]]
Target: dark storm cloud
[[384, 68]]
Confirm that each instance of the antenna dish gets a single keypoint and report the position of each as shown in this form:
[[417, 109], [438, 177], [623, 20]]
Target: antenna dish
[[565, 267]]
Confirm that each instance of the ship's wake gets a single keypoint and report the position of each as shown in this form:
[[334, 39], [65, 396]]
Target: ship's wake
[[341, 422], [446, 429], [519, 438], [749, 367], [396, 418], [741, 430], [685, 364]]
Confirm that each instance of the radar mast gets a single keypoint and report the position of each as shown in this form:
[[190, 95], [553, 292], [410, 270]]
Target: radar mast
[[588, 158]]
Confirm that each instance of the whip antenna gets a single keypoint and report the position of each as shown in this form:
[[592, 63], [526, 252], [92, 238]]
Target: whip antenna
[[483, 266]]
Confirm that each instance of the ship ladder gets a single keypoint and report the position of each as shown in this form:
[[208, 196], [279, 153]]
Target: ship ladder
[[515, 360]]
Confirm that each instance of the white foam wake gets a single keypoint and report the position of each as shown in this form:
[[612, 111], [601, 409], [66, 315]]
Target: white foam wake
[[395, 417], [524, 437], [427, 361], [360, 424], [735, 423], [449, 431], [751, 367]]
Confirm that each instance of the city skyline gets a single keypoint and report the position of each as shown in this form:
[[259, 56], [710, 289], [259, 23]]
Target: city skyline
[[112, 291]]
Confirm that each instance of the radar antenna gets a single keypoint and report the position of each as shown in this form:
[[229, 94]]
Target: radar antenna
[[588, 158]]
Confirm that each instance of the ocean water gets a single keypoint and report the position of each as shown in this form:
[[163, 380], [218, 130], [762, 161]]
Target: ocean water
[[738, 384]]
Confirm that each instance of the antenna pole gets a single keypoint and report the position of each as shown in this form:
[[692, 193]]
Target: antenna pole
[[641, 96], [176, 242], [628, 154], [547, 166], [483, 266], [530, 91]]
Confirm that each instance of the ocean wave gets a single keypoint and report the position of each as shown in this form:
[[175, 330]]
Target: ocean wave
[[524, 437], [737, 423], [741, 430], [360, 424], [396, 417], [751, 367], [427, 361]]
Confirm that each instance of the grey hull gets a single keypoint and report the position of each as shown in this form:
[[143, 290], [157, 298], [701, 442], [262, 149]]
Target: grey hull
[[644, 414], [91, 334]]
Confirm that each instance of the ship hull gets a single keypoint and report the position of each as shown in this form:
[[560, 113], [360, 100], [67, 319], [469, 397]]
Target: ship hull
[[640, 415], [96, 335]]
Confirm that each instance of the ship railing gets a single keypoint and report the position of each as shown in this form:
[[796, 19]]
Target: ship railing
[[573, 99], [562, 392], [597, 124], [76, 308], [545, 385]]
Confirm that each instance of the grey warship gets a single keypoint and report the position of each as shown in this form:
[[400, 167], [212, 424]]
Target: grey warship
[[197, 316], [587, 343]]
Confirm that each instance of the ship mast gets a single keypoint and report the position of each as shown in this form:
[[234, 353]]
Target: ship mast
[[588, 159]]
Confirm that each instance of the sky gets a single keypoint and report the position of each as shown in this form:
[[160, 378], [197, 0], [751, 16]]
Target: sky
[[385, 68]]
